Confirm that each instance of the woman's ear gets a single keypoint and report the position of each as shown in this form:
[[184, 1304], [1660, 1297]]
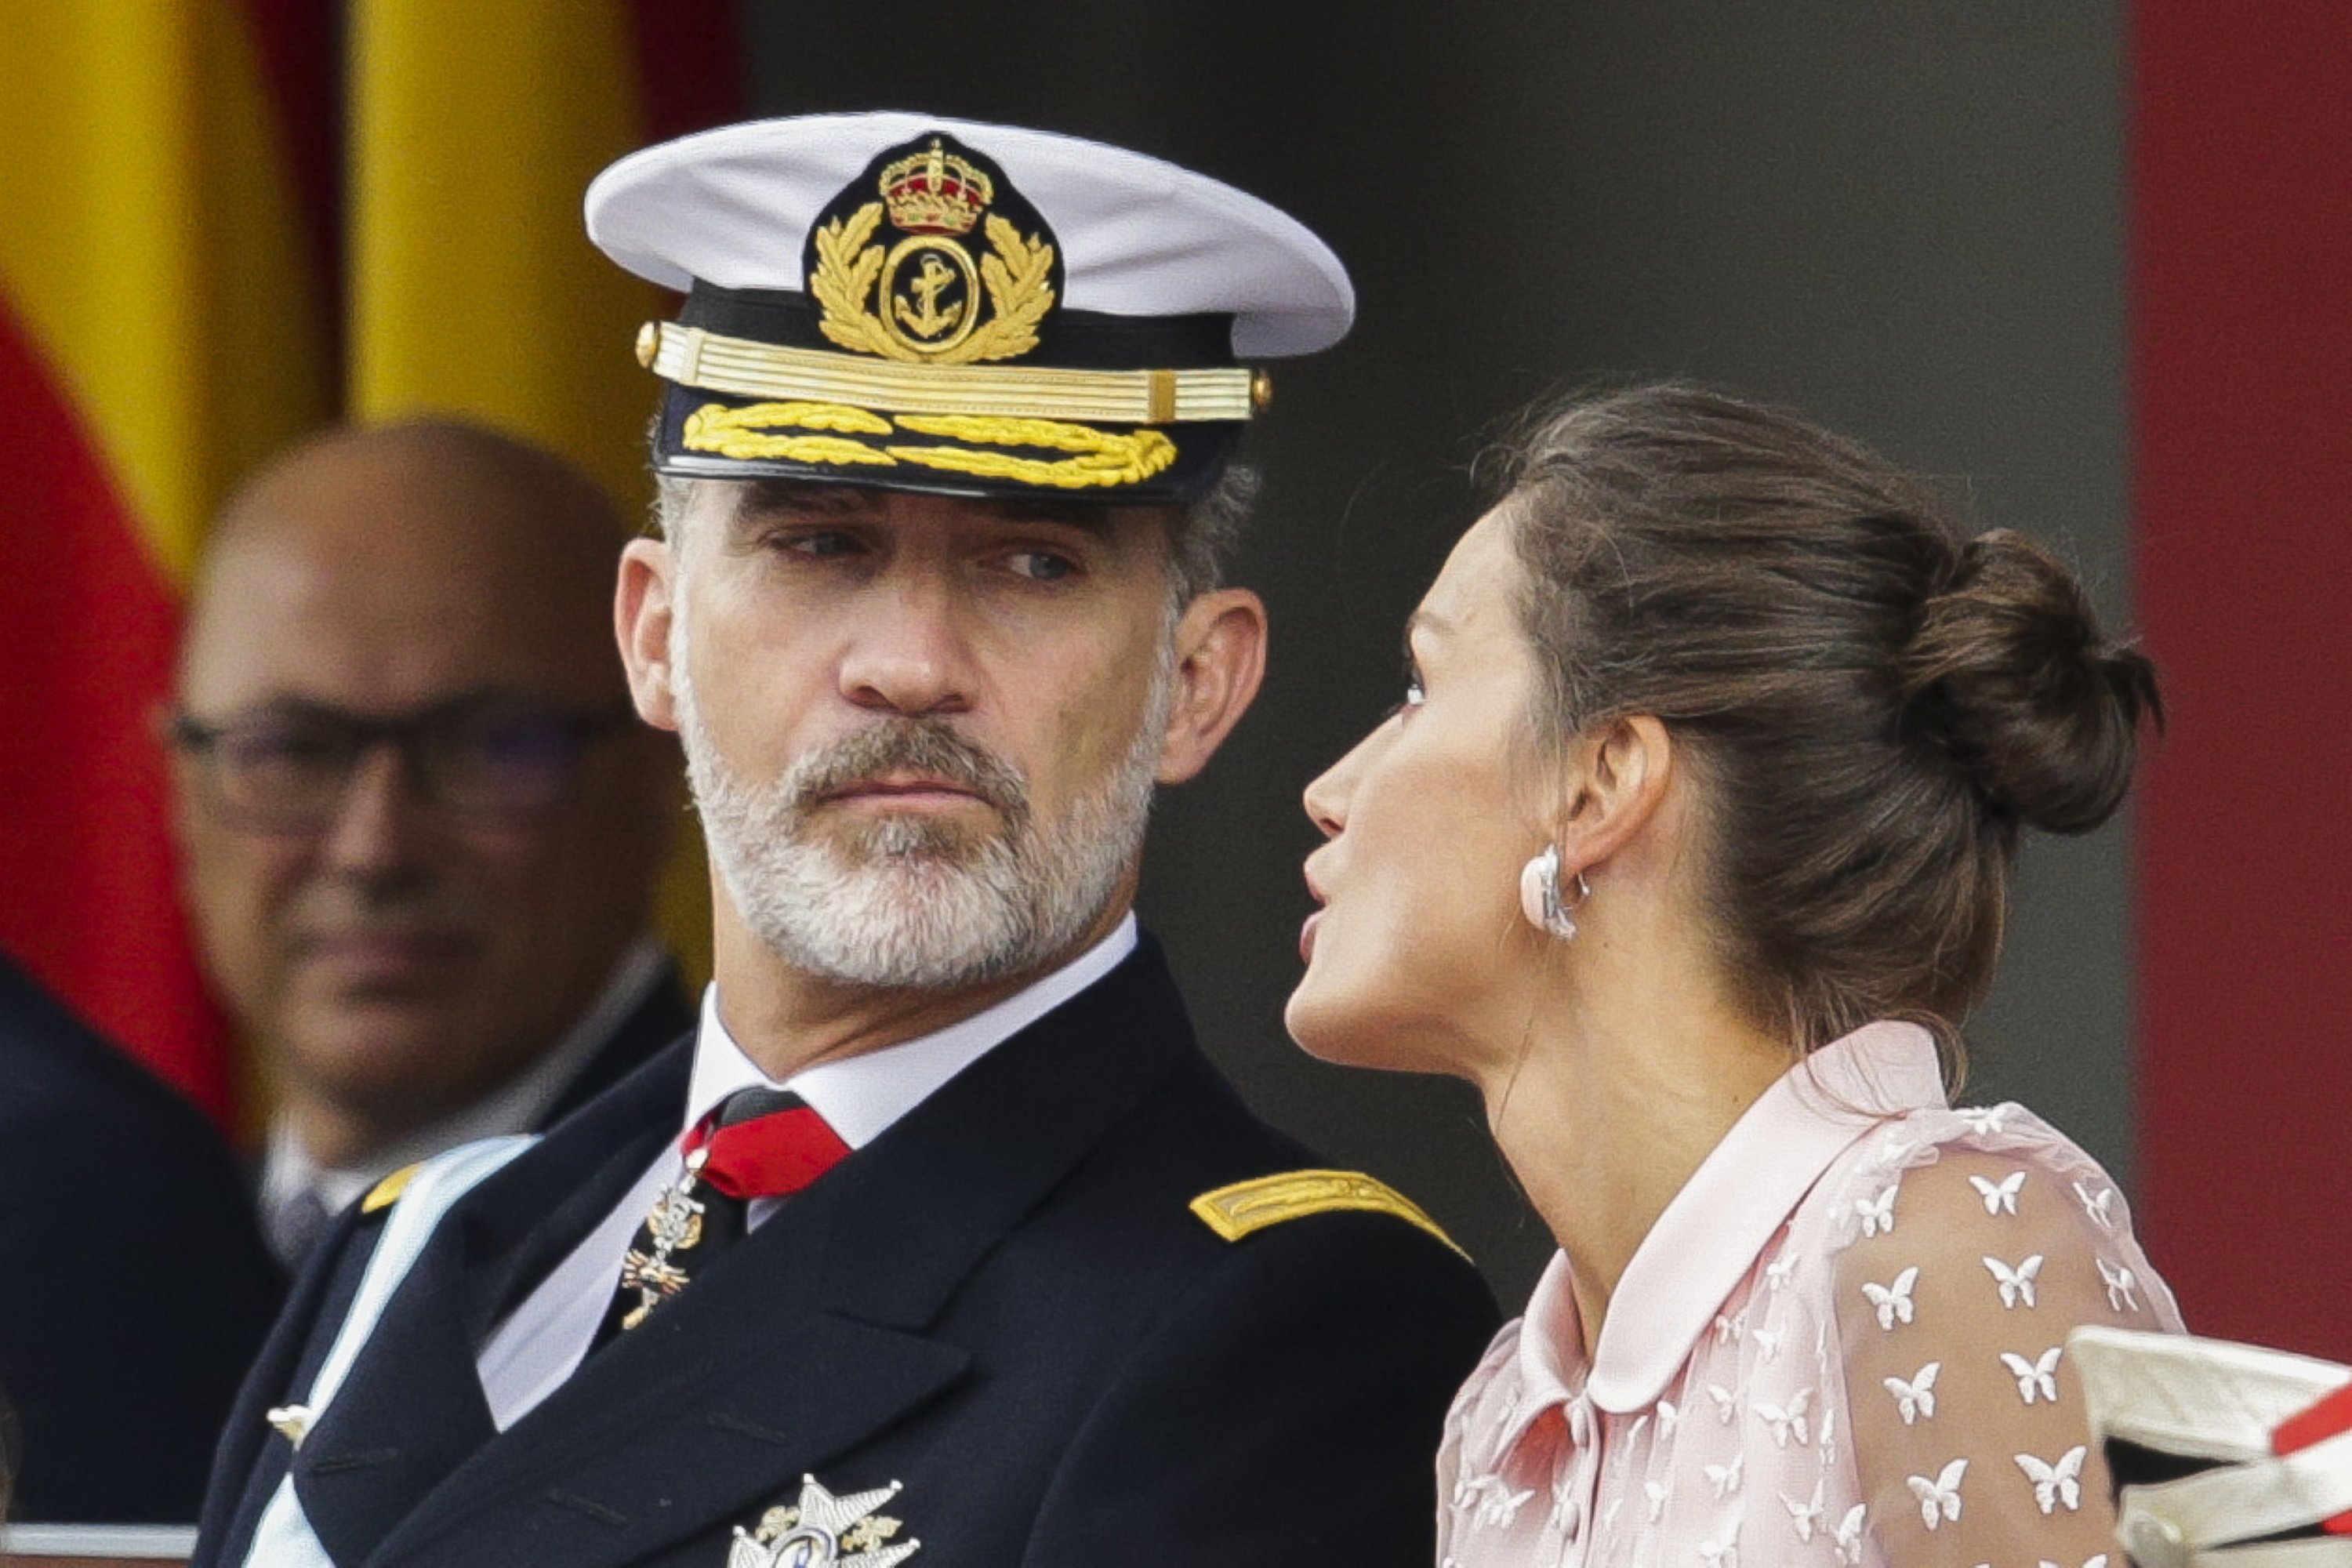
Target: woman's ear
[[1617, 779]]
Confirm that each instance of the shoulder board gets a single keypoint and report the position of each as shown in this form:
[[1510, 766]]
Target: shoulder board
[[386, 1192], [1246, 1207]]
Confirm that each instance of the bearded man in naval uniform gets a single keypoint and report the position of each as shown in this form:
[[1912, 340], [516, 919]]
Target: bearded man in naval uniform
[[939, 1239]]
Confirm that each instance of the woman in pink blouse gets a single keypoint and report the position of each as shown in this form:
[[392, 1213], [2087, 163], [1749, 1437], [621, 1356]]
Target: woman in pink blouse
[[1690, 845]]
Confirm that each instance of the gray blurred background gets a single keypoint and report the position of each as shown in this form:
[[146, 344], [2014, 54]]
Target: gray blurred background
[[1903, 217]]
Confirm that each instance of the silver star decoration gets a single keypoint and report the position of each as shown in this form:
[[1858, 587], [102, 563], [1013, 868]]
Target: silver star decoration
[[822, 1531]]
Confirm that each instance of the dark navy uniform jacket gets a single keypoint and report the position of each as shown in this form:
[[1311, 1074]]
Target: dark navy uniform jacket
[[1003, 1302], [137, 1288]]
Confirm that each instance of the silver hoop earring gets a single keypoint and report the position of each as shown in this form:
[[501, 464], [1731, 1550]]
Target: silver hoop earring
[[1540, 897]]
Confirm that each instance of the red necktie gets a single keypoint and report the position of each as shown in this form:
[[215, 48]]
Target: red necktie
[[758, 1143]]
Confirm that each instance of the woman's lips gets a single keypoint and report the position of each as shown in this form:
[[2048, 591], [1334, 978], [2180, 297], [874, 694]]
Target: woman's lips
[[1307, 937]]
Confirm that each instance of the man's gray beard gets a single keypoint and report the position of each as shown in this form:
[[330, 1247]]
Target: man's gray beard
[[911, 902]]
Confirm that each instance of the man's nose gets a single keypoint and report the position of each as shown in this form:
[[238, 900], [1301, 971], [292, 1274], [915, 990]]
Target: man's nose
[[376, 821], [909, 652]]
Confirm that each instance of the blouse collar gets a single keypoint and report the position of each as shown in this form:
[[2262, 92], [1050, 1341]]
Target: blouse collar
[[1710, 1235]]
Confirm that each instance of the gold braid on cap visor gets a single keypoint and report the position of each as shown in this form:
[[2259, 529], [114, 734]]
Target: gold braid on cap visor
[[817, 404], [691, 356]]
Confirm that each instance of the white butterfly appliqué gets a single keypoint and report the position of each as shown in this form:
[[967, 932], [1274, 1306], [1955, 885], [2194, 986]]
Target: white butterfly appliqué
[[1777, 1276], [1917, 1398], [1804, 1518], [1877, 1214], [1999, 1197], [1724, 1478], [1564, 1507], [1790, 1422], [1767, 1343], [1848, 1534], [1668, 1419], [1939, 1499], [1498, 1504], [1726, 1404], [1656, 1491], [1719, 1554], [2057, 1484], [1984, 1120], [2099, 1205], [2120, 1286], [2036, 1379], [2016, 1284], [1894, 1302], [1727, 1330]]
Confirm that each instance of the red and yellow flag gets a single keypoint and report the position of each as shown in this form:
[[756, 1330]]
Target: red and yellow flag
[[173, 274], [164, 325]]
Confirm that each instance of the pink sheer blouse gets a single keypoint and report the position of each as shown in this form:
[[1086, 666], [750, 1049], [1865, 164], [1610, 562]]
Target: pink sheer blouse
[[1842, 1344]]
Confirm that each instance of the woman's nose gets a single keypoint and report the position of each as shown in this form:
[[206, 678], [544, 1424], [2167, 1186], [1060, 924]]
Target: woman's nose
[[1327, 798]]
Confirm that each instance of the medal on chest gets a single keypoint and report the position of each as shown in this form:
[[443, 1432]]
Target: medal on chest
[[822, 1531]]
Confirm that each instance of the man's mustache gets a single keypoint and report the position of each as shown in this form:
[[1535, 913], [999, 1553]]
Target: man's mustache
[[928, 747]]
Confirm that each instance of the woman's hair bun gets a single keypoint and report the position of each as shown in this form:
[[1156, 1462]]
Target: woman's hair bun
[[2009, 673]]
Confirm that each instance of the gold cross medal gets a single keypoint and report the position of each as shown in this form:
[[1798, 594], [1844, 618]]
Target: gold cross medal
[[822, 1531], [674, 1226]]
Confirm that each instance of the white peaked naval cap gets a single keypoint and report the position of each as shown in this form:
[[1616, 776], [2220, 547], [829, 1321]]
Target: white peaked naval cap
[[1144, 237], [915, 302]]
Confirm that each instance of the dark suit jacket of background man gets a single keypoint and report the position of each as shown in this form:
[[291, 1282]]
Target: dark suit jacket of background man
[[1003, 1301], [134, 1287], [659, 1017]]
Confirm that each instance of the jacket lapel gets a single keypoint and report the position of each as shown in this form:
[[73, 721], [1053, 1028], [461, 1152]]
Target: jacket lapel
[[412, 1409], [808, 1337]]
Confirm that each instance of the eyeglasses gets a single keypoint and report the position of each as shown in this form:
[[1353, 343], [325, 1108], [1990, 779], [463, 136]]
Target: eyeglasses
[[287, 768]]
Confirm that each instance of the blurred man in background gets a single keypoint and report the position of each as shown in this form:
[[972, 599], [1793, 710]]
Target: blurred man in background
[[137, 1285], [420, 827]]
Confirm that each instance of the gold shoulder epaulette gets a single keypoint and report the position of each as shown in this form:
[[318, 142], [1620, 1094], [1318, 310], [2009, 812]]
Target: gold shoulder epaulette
[[1246, 1207], [386, 1192]]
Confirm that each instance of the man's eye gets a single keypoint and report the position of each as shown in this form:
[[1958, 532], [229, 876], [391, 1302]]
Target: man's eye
[[1042, 565], [823, 543]]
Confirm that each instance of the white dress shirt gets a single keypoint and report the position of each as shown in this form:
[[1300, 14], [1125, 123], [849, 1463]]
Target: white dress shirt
[[543, 1340], [288, 1171]]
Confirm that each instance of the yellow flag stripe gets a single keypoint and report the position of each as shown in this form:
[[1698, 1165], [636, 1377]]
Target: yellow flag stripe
[[475, 131]]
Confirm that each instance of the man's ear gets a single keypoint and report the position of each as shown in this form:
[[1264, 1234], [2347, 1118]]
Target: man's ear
[[1616, 781], [642, 602], [1220, 662]]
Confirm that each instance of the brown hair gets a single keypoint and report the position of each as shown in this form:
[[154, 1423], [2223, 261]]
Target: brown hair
[[1874, 704]]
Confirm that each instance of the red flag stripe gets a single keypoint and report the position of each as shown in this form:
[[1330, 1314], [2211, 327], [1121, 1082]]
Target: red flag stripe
[[91, 631]]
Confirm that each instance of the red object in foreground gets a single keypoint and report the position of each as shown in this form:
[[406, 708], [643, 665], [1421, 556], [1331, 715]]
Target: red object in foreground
[[2331, 1417]]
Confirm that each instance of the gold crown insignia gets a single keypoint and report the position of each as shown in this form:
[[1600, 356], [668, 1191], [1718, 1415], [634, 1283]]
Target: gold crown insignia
[[935, 192]]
